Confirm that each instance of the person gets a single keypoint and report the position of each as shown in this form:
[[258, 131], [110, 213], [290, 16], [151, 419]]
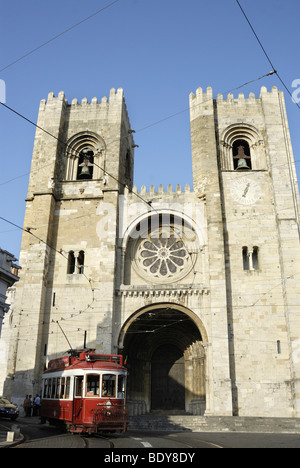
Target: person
[[29, 405], [25, 405], [36, 406]]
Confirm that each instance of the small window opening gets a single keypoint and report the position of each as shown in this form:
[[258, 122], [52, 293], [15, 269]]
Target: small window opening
[[80, 263], [250, 259], [76, 263], [71, 263], [245, 258], [85, 165], [278, 347], [241, 155], [255, 258]]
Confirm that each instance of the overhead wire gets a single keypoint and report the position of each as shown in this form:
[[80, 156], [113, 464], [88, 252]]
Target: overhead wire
[[104, 171], [60, 34], [274, 71], [265, 52], [66, 145], [155, 123], [142, 129]]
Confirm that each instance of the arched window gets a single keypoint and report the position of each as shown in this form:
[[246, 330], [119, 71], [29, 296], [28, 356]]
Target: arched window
[[241, 155], [255, 263], [245, 259], [250, 259], [76, 263], [71, 263], [85, 157], [242, 147], [80, 262]]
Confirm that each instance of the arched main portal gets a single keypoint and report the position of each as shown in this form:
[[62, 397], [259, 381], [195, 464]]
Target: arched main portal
[[167, 378], [166, 360]]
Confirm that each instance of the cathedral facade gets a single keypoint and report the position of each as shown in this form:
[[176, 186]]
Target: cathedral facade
[[198, 288]]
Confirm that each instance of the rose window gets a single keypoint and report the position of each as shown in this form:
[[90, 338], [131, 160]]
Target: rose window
[[163, 256]]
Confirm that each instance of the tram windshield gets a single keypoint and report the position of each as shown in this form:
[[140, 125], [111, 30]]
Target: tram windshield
[[92, 385], [113, 386]]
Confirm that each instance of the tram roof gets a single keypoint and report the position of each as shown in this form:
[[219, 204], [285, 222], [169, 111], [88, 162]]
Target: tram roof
[[86, 359]]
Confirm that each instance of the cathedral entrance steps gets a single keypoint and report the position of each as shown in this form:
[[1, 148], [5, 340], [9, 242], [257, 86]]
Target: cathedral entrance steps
[[190, 423]]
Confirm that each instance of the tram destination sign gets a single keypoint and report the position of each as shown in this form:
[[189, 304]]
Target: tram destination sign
[[59, 363]]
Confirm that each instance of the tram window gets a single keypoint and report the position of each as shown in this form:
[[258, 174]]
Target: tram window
[[49, 388], [109, 385], [121, 386], [62, 388], [45, 392], [67, 392], [57, 392], [92, 384], [53, 390], [78, 385]]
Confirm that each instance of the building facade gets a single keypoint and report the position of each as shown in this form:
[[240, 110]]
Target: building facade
[[8, 277], [199, 289]]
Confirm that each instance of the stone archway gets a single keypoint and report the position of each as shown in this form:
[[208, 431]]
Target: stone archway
[[166, 360]]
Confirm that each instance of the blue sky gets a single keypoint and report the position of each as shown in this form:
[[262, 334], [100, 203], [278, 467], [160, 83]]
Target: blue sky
[[158, 51]]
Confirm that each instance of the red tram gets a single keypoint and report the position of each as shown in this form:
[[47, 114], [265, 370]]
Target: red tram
[[86, 392]]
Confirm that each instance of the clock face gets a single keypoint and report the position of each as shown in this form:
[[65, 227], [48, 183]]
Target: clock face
[[245, 191]]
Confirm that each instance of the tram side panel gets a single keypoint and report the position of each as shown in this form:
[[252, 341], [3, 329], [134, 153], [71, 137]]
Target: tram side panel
[[90, 402]]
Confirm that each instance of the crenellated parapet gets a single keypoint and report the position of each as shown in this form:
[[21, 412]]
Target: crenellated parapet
[[161, 190], [202, 102], [114, 96]]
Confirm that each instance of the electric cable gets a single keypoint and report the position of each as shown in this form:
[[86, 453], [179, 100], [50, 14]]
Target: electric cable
[[112, 141], [59, 35], [113, 177], [265, 52]]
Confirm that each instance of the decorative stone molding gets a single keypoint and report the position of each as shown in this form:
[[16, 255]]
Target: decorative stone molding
[[166, 292]]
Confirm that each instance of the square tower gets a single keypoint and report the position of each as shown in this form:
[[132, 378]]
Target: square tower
[[243, 166], [82, 161]]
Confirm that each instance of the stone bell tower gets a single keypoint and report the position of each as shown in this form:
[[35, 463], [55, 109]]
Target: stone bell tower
[[82, 161], [244, 168]]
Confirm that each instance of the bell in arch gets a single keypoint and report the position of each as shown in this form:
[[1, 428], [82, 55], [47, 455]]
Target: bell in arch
[[242, 159], [84, 168], [242, 165]]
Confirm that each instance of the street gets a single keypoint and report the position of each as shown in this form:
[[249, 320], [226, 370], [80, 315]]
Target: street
[[44, 436]]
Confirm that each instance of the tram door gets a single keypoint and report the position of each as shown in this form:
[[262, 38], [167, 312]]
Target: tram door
[[77, 400]]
